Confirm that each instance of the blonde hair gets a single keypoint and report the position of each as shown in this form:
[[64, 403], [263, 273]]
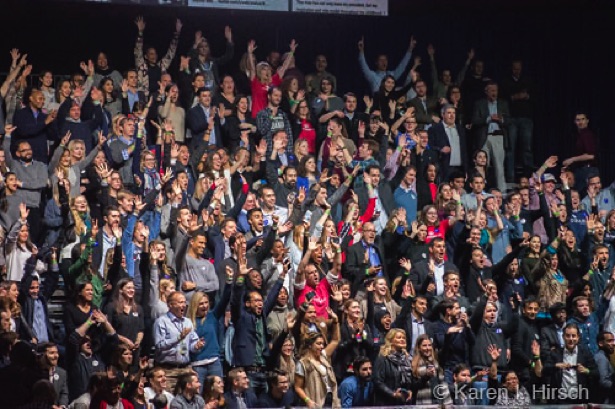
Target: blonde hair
[[80, 227], [163, 285], [194, 306], [387, 347]]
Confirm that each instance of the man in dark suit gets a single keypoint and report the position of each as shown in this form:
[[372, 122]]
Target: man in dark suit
[[33, 127], [385, 203], [249, 315], [425, 108], [427, 276], [571, 368], [202, 119], [365, 259], [240, 390], [449, 140], [552, 336], [490, 121]]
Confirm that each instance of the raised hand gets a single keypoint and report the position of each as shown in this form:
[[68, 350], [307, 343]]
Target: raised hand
[[412, 43], [8, 129], [124, 86], [15, 55], [405, 263], [551, 162], [198, 37], [101, 139], [140, 22], [361, 44], [293, 45], [139, 205], [23, 212], [94, 231], [117, 232], [184, 63], [251, 46], [178, 25], [369, 102], [290, 321], [65, 139], [494, 352], [168, 174], [228, 34]]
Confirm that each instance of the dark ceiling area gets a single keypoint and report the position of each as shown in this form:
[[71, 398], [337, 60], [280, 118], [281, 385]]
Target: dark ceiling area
[[566, 45]]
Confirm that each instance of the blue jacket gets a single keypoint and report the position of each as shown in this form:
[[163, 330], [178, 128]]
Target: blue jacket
[[244, 341], [209, 329], [589, 331], [353, 394]]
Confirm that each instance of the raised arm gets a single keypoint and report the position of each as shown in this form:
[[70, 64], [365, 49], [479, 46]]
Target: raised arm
[[284, 67]]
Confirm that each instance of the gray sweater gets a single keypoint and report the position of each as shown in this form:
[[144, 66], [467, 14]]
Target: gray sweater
[[33, 176], [197, 270], [117, 148]]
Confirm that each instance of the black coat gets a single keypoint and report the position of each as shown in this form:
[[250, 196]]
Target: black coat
[[355, 265], [553, 375], [387, 379]]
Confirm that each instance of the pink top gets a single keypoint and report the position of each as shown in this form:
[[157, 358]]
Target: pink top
[[259, 93]]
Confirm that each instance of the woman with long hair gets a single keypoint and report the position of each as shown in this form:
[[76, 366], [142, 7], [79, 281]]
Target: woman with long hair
[[240, 126], [356, 339], [550, 283], [126, 316], [79, 311], [392, 376], [111, 97], [428, 374], [10, 199], [45, 80], [122, 363], [63, 91], [315, 382], [213, 392], [69, 159], [206, 322], [530, 260], [437, 227], [335, 130], [382, 299], [481, 167], [303, 127], [292, 96], [158, 278], [172, 112], [19, 248], [226, 96], [307, 174], [387, 96]]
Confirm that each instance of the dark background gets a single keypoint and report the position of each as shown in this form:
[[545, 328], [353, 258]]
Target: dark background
[[566, 46]]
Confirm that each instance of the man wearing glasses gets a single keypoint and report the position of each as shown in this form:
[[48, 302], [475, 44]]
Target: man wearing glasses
[[32, 177]]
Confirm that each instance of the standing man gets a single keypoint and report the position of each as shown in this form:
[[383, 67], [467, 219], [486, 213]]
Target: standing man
[[425, 107], [149, 69], [449, 139], [273, 119], [175, 339], [571, 369], [374, 78], [204, 122], [312, 81], [33, 127], [201, 60], [491, 116], [517, 89], [32, 176]]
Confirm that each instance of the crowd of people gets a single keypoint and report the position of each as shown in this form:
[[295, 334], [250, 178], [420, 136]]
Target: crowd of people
[[238, 238]]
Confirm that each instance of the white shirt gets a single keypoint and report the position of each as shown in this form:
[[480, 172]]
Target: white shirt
[[569, 376]]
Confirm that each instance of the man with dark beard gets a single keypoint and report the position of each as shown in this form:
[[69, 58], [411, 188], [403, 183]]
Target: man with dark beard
[[358, 390]]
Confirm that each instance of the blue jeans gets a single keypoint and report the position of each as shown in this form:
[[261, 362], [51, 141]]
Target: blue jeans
[[203, 371], [519, 130]]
